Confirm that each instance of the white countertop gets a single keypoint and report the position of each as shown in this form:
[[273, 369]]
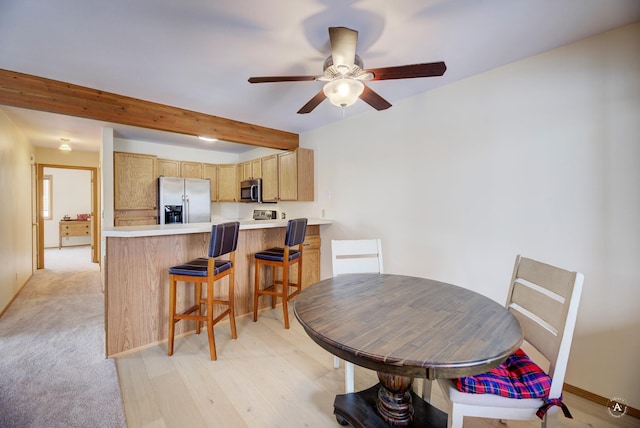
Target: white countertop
[[181, 229]]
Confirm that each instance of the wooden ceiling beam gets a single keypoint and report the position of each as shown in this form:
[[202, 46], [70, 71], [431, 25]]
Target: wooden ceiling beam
[[38, 93]]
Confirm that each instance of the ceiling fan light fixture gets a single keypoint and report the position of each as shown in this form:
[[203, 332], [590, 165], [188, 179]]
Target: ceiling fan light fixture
[[343, 92]]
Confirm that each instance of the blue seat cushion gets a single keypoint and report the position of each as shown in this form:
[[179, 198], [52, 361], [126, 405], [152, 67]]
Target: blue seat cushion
[[198, 267], [276, 254]]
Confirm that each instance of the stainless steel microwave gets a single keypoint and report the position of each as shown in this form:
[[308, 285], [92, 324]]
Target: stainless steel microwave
[[251, 190]]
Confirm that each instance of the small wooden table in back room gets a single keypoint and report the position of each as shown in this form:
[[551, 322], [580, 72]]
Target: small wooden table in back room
[[404, 327]]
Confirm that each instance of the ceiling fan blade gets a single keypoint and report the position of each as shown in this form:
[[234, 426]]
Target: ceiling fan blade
[[313, 103], [343, 46], [428, 69], [372, 98], [271, 79]]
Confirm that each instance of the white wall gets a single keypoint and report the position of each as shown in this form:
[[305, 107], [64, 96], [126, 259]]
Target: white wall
[[16, 157], [538, 158], [71, 195]]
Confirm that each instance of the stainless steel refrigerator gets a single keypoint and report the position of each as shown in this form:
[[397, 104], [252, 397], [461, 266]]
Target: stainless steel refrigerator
[[184, 200]]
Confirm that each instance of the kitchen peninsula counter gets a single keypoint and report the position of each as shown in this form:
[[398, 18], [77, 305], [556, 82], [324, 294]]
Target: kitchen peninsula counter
[[181, 229], [136, 279]]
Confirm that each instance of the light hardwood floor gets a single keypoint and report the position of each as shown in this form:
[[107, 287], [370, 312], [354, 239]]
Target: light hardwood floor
[[268, 377]]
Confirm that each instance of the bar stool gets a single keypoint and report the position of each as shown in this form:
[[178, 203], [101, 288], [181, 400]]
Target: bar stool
[[224, 240], [283, 258]]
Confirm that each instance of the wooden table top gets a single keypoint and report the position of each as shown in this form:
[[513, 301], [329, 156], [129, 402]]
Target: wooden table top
[[408, 326]]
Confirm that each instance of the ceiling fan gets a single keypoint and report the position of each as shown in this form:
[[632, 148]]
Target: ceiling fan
[[345, 74]]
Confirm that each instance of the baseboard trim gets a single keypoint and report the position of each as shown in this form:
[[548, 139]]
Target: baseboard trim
[[15, 296], [631, 411]]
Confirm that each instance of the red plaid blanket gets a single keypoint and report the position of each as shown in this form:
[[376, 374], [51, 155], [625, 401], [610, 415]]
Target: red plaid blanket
[[517, 377]]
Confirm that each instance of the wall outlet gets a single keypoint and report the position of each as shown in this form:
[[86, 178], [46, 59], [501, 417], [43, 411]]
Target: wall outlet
[[283, 215]]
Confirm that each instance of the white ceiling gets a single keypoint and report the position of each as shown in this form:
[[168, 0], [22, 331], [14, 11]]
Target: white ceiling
[[198, 54]]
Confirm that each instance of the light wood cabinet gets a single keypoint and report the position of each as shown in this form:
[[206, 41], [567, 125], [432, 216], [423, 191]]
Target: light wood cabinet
[[227, 183], [270, 178], [73, 228], [190, 169], [288, 176], [311, 257], [250, 169], [135, 181], [210, 171], [168, 168], [256, 168], [244, 171]]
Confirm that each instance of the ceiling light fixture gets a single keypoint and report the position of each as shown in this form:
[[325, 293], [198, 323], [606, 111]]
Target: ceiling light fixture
[[208, 139], [65, 147], [343, 92]]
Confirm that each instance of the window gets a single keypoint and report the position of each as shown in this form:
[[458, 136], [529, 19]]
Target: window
[[47, 199]]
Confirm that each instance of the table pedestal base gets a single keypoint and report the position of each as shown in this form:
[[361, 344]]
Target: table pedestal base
[[360, 411]]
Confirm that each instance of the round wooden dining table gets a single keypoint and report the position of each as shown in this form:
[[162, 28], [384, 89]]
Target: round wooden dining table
[[404, 327]]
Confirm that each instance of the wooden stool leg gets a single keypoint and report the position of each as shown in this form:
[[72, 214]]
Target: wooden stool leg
[[300, 274], [285, 293], [212, 340], [274, 298], [172, 313], [198, 301], [255, 291], [232, 313]]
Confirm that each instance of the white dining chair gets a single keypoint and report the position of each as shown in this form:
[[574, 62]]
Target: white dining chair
[[545, 300], [354, 256]]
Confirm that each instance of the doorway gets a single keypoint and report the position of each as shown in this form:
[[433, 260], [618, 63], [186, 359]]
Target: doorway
[[50, 216]]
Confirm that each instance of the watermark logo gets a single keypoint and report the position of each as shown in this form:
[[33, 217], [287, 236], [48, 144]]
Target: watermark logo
[[617, 407]]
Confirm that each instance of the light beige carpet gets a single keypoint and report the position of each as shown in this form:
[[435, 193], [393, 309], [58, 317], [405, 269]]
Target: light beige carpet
[[53, 370]]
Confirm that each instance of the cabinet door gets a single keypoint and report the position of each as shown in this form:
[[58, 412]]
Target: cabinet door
[[256, 168], [245, 171], [190, 170], [270, 178], [168, 168], [311, 260], [288, 176], [227, 187], [135, 181], [210, 171]]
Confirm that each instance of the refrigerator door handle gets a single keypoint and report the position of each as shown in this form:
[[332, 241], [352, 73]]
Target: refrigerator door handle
[[185, 218]]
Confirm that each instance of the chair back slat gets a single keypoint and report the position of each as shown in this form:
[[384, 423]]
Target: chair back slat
[[558, 281], [546, 307], [356, 256], [296, 232], [224, 238]]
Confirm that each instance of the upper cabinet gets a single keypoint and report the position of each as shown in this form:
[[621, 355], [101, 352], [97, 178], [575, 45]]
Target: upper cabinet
[[250, 169], [288, 176], [168, 168], [210, 171], [270, 178], [190, 169], [135, 185], [227, 183], [135, 189]]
